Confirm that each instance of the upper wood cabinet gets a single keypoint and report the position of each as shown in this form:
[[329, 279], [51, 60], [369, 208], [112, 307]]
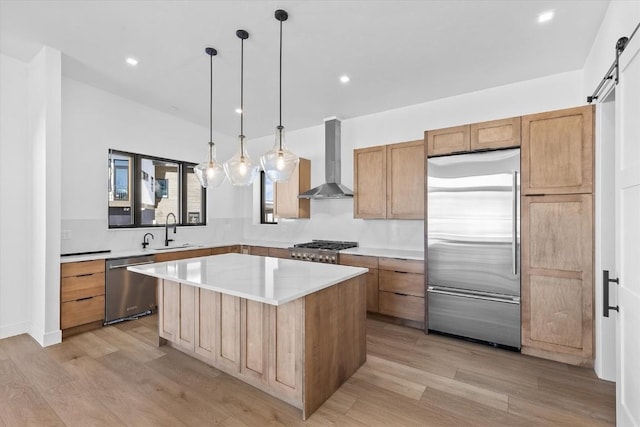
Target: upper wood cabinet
[[287, 204], [405, 180], [495, 134], [503, 133], [557, 152], [455, 139], [389, 181], [370, 182]]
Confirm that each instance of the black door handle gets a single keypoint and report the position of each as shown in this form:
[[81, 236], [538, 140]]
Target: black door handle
[[605, 293]]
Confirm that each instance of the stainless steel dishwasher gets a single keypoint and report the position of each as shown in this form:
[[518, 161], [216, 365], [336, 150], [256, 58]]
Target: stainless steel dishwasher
[[128, 295]]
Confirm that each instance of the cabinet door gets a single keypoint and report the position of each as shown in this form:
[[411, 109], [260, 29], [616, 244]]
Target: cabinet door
[[557, 152], [255, 340], [455, 139], [169, 309], [287, 204], [370, 182], [557, 277], [227, 333], [187, 318], [405, 180], [372, 276], [495, 134], [205, 322]]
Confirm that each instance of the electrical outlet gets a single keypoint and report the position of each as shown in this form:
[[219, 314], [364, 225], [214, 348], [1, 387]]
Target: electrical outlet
[[65, 235]]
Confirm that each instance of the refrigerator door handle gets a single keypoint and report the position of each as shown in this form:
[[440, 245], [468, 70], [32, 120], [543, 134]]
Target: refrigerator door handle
[[514, 225], [484, 297]]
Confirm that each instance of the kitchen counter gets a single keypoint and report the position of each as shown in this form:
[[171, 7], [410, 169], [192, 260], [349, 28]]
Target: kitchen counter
[[263, 279], [377, 252], [386, 253], [294, 329]]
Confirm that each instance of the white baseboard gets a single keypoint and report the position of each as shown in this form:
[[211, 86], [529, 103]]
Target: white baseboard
[[7, 331]]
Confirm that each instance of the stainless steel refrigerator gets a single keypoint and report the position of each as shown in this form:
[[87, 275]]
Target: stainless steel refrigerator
[[473, 234]]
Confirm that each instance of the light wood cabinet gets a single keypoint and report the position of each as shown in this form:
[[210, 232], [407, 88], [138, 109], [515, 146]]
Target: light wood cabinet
[[372, 276], [502, 133], [557, 152], [82, 287], [557, 277], [177, 255], [389, 181], [456, 139], [287, 204], [279, 253], [401, 289], [405, 180], [491, 135], [370, 182]]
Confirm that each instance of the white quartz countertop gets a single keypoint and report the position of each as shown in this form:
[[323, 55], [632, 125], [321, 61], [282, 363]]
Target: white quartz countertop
[[269, 280], [386, 253]]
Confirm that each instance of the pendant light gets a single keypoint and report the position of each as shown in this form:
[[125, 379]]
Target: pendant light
[[279, 163], [241, 169], [210, 173]]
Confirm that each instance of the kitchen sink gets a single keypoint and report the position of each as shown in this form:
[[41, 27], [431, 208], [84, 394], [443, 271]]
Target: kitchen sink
[[183, 246]]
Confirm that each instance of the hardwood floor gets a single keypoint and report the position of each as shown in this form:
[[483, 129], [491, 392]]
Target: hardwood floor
[[118, 376]]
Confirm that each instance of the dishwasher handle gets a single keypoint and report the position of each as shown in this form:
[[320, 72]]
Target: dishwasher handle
[[115, 267]]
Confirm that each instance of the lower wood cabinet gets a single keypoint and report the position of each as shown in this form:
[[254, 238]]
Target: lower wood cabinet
[[81, 296], [402, 306], [401, 285], [557, 277], [371, 263]]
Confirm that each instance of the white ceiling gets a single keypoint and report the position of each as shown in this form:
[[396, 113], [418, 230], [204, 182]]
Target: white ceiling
[[397, 53]]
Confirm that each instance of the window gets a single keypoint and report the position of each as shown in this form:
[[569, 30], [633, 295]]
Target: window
[[162, 187], [267, 198]]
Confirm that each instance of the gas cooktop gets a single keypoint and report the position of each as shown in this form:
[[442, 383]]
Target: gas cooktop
[[328, 245], [320, 250]]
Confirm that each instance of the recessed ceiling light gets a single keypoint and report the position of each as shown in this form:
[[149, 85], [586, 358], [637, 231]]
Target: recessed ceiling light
[[545, 16], [238, 110], [345, 79], [132, 61]]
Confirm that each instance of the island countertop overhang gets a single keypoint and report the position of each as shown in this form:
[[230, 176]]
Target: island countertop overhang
[[268, 280]]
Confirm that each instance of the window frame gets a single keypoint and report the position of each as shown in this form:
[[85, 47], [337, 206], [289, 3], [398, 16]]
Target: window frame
[[136, 202], [263, 215]]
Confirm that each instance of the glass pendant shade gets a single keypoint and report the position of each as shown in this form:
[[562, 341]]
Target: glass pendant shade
[[211, 173], [279, 163], [241, 169]]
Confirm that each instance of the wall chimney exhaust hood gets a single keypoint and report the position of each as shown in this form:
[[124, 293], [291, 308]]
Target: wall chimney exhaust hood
[[332, 188]]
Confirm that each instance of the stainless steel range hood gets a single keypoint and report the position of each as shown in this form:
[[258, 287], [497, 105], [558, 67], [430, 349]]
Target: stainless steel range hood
[[332, 189]]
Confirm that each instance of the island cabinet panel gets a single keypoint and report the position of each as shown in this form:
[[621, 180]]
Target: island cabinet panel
[[186, 322], [371, 263], [255, 340], [286, 352], [495, 134], [169, 309], [557, 152], [204, 325], [450, 140], [228, 333], [335, 339]]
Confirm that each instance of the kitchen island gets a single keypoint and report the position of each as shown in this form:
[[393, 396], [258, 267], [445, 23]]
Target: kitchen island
[[294, 329]]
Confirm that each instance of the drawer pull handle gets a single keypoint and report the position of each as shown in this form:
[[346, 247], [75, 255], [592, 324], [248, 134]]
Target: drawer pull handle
[[402, 295], [401, 272], [85, 275], [84, 299]]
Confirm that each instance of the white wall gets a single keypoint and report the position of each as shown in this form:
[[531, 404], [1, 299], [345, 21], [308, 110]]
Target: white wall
[[15, 168], [620, 20], [95, 121], [333, 219]]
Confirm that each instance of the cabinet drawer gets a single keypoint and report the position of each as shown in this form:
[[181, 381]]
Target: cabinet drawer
[[174, 256], [402, 306], [73, 288], [75, 313], [81, 268], [404, 283], [258, 250], [405, 265], [359, 261]]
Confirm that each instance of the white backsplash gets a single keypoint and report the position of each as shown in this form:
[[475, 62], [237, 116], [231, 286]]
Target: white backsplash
[[94, 235], [333, 220]]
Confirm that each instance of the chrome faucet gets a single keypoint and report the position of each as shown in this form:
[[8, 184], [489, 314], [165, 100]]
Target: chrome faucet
[[166, 228], [145, 242]]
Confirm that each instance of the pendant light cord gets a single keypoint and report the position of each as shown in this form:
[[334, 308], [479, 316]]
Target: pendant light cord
[[241, 88], [210, 99], [280, 82]]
